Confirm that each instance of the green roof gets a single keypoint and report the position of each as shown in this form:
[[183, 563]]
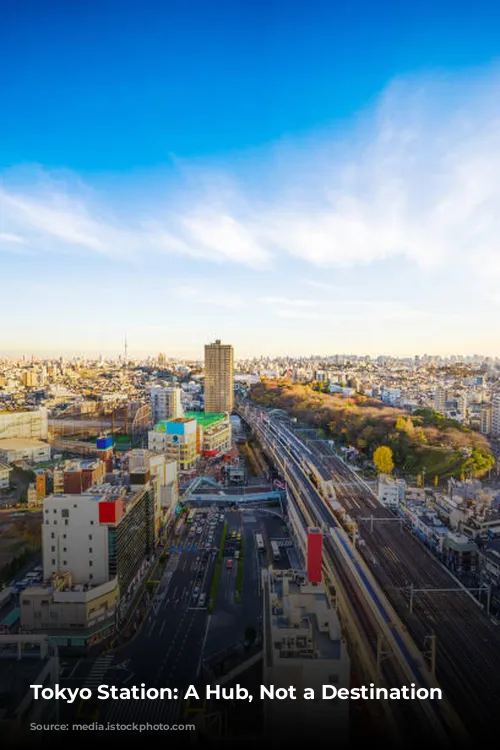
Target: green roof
[[204, 419]]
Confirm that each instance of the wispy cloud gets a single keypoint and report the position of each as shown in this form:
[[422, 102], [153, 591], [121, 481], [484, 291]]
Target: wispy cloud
[[418, 182]]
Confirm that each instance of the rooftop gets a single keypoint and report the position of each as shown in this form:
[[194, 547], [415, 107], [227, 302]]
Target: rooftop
[[205, 419], [13, 443]]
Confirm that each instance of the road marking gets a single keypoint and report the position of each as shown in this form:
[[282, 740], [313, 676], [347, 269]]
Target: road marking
[[128, 678], [122, 665], [75, 668], [161, 629]]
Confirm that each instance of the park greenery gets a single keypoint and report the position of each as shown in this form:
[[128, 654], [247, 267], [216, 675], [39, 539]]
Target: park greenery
[[424, 441]]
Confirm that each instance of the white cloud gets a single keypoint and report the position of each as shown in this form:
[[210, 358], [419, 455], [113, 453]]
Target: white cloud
[[418, 181]]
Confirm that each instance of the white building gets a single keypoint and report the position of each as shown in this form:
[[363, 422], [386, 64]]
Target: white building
[[74, 540], [303, 647], [391, 491], [166, 402], [23, 449], [31, 425]]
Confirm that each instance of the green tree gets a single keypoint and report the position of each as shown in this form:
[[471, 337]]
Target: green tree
[[382, 458]]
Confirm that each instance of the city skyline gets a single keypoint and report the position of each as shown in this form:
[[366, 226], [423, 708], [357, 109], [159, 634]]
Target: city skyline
[[345, 214]]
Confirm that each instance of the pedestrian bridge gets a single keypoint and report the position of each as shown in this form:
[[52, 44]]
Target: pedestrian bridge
[[223, 498], [207, 490]]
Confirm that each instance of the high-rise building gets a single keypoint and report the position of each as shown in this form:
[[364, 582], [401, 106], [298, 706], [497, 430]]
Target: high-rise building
[[166, 402], [440, 398], [486, 419], [219, 365], [495, 416]]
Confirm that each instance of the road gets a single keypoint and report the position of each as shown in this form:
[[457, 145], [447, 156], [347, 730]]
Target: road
[[177, 632], [468, 642]]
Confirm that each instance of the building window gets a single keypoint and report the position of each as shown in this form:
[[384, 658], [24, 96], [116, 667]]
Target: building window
[[52, 535], [90, 576], [64, 536], [26, 602], [52, 549], [37, 615], [91, 523], [90, 536], [64, 549], [65, 562], [53, 562], [90, 563], [90, 550], [46, 510], [66, 522], [65, 513], [53, 615], [75, 506], [55, 510], [55, 523]]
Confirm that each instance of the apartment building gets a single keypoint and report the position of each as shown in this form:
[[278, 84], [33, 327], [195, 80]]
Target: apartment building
[[165, 402], [495, 416], [219, 377], [485, 417], [77, 476], [104, 533]]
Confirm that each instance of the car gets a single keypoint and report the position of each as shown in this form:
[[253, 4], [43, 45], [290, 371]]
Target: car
[[238, 537], [229, 564], [237, 555], [196, 592], [233, 535], [202, 599]]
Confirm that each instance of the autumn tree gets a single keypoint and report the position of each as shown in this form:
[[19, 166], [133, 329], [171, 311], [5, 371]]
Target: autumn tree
[[382, 458]]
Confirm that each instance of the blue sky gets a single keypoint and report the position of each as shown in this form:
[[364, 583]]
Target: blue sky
[[289, 177]]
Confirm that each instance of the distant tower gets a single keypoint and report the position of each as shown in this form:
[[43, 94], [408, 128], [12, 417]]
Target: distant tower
[[126, 350]]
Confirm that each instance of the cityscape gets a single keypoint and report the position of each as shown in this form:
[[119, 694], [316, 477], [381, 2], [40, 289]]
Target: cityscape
[[249, 373], [276, 521]]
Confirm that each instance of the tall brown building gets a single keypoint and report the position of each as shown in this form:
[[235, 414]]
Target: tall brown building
[[219, 362]]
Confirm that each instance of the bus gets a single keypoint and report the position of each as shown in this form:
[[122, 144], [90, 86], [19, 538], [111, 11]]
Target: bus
[[276, 551], [191, 515], [259, 542]]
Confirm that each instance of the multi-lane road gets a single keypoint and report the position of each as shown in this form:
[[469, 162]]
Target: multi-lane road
[[467, 640], [178, 636]]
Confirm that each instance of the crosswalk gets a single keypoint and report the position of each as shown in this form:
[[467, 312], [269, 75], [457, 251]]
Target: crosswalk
[[141, 712], [186, 548], [283, 542], [99, 669]]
